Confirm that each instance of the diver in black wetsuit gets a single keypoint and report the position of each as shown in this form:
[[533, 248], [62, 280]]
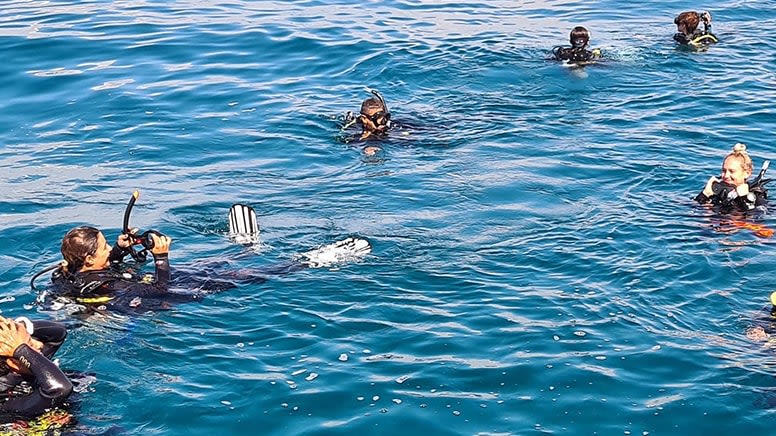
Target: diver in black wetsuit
[[92, 273], [578, 52], [27, 364], [374, 118], [733, 193], [688, 32]]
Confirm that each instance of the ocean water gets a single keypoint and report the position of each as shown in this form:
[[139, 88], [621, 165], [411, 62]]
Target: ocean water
[[538, 264]]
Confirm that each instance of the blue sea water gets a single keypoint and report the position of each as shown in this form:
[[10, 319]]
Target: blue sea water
[[538, 264]]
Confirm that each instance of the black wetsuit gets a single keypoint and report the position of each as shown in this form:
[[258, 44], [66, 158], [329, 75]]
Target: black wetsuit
[[46, 387], [114, 286], [699, 37], [726, 200], [573, 54], [121, 288]]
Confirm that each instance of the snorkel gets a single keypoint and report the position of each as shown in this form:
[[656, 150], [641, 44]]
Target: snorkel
[[379, 121], [386, 114], [144, 239], [758, 181]]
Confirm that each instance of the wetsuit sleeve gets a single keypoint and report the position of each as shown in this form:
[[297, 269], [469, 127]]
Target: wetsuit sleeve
[[162, 264], [117, 254], [51, 333], [132, 288], [50, 386], [702, 198]]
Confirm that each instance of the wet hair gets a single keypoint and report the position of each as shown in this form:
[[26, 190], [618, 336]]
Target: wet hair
[[371, 104], [77, 244], [578, 35], [739, 152], [690, 19]]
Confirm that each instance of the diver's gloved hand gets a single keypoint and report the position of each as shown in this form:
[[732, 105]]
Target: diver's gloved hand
[[709, 189], [161, 243]]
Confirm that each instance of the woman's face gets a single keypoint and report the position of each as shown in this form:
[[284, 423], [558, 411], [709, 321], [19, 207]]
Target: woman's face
[[98, 260], [733, 171]]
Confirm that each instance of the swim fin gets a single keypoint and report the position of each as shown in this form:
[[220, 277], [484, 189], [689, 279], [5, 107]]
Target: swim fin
[[243, 225], [342, 251]]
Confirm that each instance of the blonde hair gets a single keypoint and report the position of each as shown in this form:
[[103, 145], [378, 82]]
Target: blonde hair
[[739, 152]]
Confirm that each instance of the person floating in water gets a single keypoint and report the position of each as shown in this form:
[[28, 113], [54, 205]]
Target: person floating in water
[[578, 53], [733, 193], [94, 274], [688, 32], [374, 118], [30, 383]]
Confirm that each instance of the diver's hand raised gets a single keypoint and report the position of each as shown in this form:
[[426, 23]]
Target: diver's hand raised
[[126, 240], [12, 335], [709, 189], [161, 244]]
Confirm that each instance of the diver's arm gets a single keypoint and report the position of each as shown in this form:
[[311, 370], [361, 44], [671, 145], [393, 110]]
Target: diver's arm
[[708, 191], [161, 255], [50, 387], [702, 198], [51, 334], [562, 53], [117, 254], [162, 264]]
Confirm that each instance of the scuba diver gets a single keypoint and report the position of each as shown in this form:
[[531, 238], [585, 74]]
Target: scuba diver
[[92, 272], [733, 193], [374, 118], [688, 32], [578, 52], [30, 383], [95, 275]]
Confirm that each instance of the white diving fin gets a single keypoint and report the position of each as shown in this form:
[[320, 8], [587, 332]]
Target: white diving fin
[[345, 250], [243, 224]]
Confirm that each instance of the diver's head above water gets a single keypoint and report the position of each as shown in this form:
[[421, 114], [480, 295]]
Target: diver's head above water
[[579, 37], [687, 22], [86, 249], [374, 117], [737, 166], [687, 28], [732, 190]]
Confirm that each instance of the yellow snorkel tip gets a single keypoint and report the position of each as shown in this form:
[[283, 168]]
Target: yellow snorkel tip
[[773, 298]]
